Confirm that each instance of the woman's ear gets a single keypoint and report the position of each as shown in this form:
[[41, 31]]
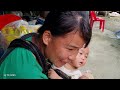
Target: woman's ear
[[46, 37]]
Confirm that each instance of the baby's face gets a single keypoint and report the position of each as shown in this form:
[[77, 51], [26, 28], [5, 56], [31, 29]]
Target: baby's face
[[81, 58]]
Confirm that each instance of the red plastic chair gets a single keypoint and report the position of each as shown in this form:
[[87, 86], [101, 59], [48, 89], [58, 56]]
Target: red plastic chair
[[94, 18], [8, 18]]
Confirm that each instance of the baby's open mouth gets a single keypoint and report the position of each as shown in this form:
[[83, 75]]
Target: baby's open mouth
[[81, 63]]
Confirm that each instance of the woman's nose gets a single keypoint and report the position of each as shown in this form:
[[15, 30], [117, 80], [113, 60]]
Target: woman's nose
[[72, 57]]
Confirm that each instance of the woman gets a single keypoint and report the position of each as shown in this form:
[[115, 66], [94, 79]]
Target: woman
[[59, 40]]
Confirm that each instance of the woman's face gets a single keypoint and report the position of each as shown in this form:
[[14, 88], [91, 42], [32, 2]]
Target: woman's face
[[81, 58], [61, 50]]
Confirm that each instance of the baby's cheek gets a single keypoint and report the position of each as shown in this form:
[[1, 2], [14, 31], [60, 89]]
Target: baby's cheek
[[84, 62]]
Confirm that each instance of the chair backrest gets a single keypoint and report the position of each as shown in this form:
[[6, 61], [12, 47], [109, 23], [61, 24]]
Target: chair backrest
[[92, 15]]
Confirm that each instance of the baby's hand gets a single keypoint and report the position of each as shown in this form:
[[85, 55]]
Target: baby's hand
[[53, 75], [87, 75]]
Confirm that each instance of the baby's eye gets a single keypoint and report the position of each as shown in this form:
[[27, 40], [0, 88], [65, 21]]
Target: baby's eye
[[86, 56]]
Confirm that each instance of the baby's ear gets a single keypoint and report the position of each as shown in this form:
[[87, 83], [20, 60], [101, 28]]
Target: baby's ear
[[46, 37]]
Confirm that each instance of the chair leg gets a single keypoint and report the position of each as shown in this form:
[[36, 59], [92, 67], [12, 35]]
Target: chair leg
[[100, 25], [103, 26], [91, 24]]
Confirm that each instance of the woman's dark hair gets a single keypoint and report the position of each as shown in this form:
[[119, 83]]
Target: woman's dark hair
[[61, 23]]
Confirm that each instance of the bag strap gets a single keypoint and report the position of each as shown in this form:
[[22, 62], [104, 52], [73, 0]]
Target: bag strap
[[27, 45], [5, 54], [40, 58], [62, 74], [28, 35], [11, 49]]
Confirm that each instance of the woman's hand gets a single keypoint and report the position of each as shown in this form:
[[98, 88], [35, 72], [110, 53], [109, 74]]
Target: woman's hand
[[53, 75]]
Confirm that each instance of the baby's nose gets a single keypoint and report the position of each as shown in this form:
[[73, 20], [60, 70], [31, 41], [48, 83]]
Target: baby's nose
[[83, 57]]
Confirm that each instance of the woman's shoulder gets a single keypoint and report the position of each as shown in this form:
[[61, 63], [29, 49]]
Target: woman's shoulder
[[20, 55], [23, 64], [21, 51]]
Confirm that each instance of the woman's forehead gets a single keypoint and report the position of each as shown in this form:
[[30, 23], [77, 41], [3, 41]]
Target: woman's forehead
[[86, 50], [75, 39], [70, 40]]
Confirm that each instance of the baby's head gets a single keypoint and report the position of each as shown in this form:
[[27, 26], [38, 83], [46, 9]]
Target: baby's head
[[81, 58]]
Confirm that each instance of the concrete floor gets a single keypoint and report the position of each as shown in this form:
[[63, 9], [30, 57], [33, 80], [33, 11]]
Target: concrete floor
[[104, 57]]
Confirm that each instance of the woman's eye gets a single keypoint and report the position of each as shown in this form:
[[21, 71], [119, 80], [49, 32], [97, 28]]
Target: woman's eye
[[80, 53], [70, 49]]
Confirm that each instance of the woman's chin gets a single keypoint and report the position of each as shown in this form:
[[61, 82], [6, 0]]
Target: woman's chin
[[60, 64]]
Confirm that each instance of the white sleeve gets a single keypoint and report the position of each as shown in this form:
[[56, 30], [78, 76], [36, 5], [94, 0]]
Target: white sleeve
[[76, 75]]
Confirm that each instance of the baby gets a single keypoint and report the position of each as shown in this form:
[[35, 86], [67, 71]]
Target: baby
[[72, 68]]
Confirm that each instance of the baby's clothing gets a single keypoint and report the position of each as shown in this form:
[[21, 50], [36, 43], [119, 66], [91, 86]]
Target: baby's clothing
[[74, 74]]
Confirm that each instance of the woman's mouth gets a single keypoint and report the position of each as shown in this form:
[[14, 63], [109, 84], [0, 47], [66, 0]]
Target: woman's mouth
[[63, 62]]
